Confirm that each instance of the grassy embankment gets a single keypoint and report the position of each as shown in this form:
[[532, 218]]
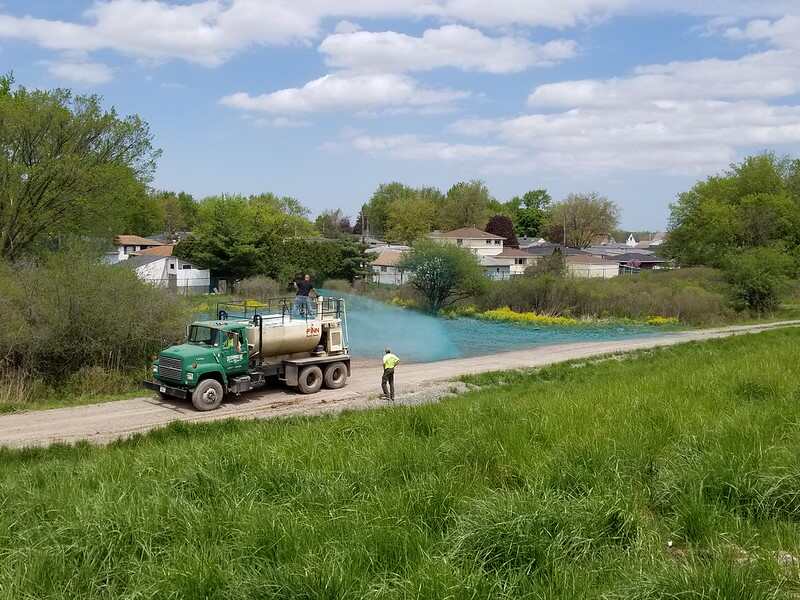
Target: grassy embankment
[[672, 474]]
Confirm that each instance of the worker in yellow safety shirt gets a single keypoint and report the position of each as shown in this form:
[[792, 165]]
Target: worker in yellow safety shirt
[[232, 342], [390, 361]]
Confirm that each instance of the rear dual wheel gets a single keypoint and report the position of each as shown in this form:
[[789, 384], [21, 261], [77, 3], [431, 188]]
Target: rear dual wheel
[[311, 378]]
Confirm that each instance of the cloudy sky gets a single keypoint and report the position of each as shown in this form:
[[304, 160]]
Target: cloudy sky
[[325, 99]]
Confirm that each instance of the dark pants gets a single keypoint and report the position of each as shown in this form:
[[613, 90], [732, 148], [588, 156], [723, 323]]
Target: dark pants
[[387, 383]]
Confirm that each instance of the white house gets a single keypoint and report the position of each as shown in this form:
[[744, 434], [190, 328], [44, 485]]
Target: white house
[[126, 246], [385, 268], [171, 272], [475, 240], [495, 268], [631, 243], [586, 266], [519, 260]]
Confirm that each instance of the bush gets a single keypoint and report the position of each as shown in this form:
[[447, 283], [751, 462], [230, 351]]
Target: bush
[[260, 288], [759, 277], [71, 313], [694, 296]]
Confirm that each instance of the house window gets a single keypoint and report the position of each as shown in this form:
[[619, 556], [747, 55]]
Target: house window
[[128, 249], [384, 269], [172, 266], [520, 261], [488, 241], [460, 242], [186, 267], [497, 242]]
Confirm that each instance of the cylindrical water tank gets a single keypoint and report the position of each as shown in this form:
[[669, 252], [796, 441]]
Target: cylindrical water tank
[[284, 336]]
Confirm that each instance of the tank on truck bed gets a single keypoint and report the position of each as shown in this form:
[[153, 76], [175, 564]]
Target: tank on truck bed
[[249, 344]]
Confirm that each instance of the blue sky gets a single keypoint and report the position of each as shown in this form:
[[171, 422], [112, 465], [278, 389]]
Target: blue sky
[[324, 100]]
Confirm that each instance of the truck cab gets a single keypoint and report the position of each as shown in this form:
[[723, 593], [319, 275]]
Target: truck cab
[[243, 349]]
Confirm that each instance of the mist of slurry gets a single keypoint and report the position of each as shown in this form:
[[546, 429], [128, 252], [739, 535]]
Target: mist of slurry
[[416, 337]]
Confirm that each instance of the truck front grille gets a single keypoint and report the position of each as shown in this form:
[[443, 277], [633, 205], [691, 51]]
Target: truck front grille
[[169, 368]]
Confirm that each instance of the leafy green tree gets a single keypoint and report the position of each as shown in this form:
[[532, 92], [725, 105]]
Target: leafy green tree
[[410, 219], [753, 204], [759, 277], [585, 216], [531, 214], [443, 273], [64, 160], [466, 205], [376, 210]]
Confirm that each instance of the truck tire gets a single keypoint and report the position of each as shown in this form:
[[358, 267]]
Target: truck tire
[[336, 376], [310, 380], [207, 395]]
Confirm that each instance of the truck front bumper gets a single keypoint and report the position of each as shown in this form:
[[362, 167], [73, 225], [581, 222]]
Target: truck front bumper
[[167, 389]]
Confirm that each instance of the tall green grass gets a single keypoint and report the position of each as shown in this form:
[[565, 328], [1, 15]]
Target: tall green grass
[[670, 475]]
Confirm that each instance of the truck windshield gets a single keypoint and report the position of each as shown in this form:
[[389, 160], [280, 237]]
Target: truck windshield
[[200, 334]]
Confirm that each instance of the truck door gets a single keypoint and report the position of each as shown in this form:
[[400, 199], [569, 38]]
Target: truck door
[[234, 351]]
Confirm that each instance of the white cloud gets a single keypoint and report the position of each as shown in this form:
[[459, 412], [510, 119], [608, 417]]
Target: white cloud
[[771, 74], [345, 92], [683, 116], [282, 123], [783, 33], [413, 147], [449, 46], [346, 27], [79, 71], [210, 32]]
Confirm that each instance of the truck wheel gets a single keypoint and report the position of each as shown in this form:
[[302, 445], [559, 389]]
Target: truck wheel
[[336, 376], [207, 395], [310, 380]]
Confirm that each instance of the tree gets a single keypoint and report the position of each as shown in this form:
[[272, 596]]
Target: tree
[[531, 214], [754, 204], [585, 216], [63, 158], [332, 223], [178, 211], [376, 210], [502, 226], [411, 219], [443, 273], [759, 276], [466, 205]]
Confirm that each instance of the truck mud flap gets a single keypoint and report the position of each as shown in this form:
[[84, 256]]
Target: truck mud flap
[[166, 389]]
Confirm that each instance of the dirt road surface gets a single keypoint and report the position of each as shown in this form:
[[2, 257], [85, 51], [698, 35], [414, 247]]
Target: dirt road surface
[[102, 423]]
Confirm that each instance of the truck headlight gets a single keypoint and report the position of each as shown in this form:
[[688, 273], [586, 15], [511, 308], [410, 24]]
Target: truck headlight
[[189, 376], [155, 368]]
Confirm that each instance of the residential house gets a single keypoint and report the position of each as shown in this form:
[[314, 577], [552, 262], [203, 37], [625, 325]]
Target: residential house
[[587, 266], [519, 260], [631, 243], [496, 268], [385, 268], [478, 242], [170, 272], [127, 245], [528, 242]]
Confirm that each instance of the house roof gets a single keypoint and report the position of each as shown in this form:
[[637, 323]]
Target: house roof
[[469, 233], [550, 249], [156, 251], [494, 261], [135, 240], [647, 258], [134, 262], [586, 259], [513, 253], [388, 258]]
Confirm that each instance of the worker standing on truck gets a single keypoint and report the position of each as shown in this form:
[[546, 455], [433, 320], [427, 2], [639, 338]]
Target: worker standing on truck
[[390, 361], [302, 302]]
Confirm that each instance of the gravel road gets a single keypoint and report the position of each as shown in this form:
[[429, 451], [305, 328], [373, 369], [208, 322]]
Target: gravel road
[[102, 423]]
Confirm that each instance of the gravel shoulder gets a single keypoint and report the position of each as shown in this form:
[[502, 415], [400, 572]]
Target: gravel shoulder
[[417, 383]]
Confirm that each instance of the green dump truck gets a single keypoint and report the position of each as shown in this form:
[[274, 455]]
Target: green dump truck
[[246, 347]]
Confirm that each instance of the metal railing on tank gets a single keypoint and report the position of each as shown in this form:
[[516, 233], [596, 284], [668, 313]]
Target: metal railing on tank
[[279, 311]]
